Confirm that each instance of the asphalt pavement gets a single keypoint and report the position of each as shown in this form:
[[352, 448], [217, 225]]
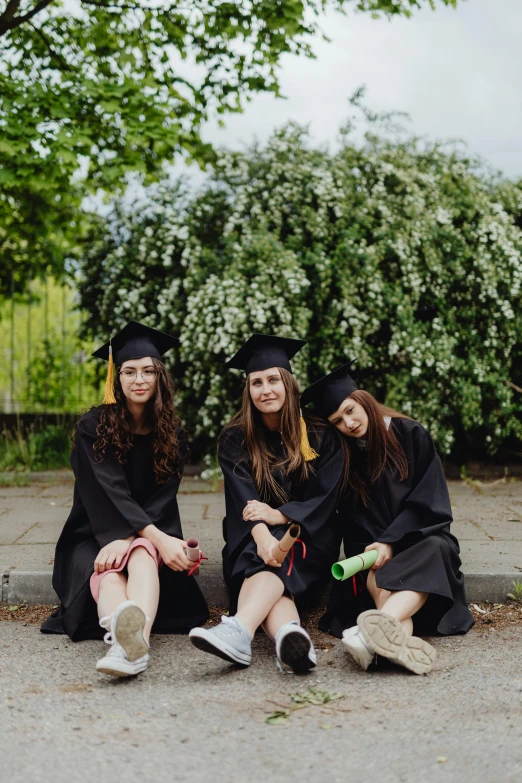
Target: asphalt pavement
[[194, 718]]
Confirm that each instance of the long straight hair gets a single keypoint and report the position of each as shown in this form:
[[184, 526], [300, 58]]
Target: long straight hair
[[264, 463], [383, 447]]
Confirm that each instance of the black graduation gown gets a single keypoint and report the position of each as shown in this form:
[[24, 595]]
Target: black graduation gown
[[414, 516], [113, 501], [312, 504]]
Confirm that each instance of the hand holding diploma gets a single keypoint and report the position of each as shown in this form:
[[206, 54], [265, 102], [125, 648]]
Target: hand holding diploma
[[195, 555], [344, 569], [284, 546]]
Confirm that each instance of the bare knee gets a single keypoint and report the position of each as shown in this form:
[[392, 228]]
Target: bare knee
[[139, 557], [112, 580]]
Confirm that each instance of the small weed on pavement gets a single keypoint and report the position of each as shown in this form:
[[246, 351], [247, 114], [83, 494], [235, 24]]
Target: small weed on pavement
[[311, 697]]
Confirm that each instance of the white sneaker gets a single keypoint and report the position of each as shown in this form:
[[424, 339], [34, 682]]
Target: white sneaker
[[117, 663], [294, 648], [358, 648], [127, 624], [229, 640]]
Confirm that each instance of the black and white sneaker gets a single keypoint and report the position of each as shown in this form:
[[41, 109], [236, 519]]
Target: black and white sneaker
[[294, 648]]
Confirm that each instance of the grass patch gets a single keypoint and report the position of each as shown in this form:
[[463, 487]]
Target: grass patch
[[26, 449], [20, 479]]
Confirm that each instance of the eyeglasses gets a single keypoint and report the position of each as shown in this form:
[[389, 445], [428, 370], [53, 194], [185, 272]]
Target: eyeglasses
[[131, 375]]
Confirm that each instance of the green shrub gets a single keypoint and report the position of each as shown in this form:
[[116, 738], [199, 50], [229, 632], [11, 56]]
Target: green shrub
[[401, 253], [41, 449]]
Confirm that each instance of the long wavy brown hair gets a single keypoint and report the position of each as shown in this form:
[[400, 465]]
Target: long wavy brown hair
[[116, 424], [383, 447], [264, 463]]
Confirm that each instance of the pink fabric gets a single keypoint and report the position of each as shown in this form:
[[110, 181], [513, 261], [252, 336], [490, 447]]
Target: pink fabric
[[151, 549]]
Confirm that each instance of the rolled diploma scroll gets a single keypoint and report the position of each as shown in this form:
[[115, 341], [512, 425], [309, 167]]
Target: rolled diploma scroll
[[193, 552], [344, 569], [285, 545]]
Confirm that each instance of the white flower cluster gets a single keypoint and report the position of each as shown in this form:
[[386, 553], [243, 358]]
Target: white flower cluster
[[400, 255]]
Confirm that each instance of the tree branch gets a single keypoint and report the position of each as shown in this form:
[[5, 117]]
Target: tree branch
[[108, 6], [59, 59], [10, 10], [513, 386], [120, 6], [8, 20]]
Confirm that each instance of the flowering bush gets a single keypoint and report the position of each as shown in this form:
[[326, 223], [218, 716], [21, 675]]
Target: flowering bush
[[404, 255]]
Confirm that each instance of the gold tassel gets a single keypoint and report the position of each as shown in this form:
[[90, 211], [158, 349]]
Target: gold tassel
[[108, 397], [306, 450]]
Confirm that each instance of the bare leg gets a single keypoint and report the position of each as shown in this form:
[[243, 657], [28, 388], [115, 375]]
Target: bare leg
[[403, 605], [143, 585], [258, 595], [379, 595], [113, 592], [283, 611], [399, 608]]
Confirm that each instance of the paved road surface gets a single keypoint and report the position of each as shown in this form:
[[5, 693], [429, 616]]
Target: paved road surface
[[194, 718]]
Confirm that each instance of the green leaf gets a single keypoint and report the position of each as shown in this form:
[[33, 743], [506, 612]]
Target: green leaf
[[278, 717]]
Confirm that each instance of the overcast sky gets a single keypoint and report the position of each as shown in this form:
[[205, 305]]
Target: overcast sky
[[457, 73]]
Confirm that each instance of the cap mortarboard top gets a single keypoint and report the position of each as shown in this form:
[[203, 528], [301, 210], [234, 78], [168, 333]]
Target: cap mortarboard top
[[328, 393], [262, 351], [135, 341]]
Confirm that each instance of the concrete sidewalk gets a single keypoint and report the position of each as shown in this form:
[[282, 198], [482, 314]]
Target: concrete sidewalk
[[488, 524]]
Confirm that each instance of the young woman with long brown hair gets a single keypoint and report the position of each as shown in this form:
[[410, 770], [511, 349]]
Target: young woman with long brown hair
[[278, 469], [397, 503], [128, 458]]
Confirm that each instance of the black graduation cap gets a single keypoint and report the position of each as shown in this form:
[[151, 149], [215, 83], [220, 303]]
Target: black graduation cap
[[262, 351], [328, 393], [134, 341]]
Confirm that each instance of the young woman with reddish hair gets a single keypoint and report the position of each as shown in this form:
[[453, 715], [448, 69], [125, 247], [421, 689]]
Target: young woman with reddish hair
[[120, 566], [397, 503]]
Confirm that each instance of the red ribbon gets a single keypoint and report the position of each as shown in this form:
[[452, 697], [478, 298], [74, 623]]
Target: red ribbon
[[292, 554], [354, 582], [197, 563]]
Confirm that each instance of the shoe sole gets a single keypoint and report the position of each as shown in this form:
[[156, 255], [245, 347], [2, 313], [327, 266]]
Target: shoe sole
[[115, 672], [386, 636], [294, 652], [202, 641], [129, 632], [357, 655]]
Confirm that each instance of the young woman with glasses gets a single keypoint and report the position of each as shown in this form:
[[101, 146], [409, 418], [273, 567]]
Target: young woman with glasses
[[128, 458]]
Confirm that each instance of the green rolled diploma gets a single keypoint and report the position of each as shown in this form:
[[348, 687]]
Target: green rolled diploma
[[344, 569]]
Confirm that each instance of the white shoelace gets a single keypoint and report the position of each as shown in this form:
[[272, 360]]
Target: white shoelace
[[105, 622]]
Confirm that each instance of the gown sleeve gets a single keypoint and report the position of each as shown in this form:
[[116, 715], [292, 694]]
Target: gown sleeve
[[321, 494], [426, 509], [239, 489], [162, 507], [103, 488]]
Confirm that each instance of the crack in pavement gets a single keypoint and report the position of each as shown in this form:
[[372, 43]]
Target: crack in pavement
[[479, 527]]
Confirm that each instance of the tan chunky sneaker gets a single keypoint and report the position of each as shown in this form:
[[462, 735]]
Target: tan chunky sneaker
[[386, 636]]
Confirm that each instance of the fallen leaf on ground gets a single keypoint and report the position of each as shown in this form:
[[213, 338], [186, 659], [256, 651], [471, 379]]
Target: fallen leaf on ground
[[278, 717]]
